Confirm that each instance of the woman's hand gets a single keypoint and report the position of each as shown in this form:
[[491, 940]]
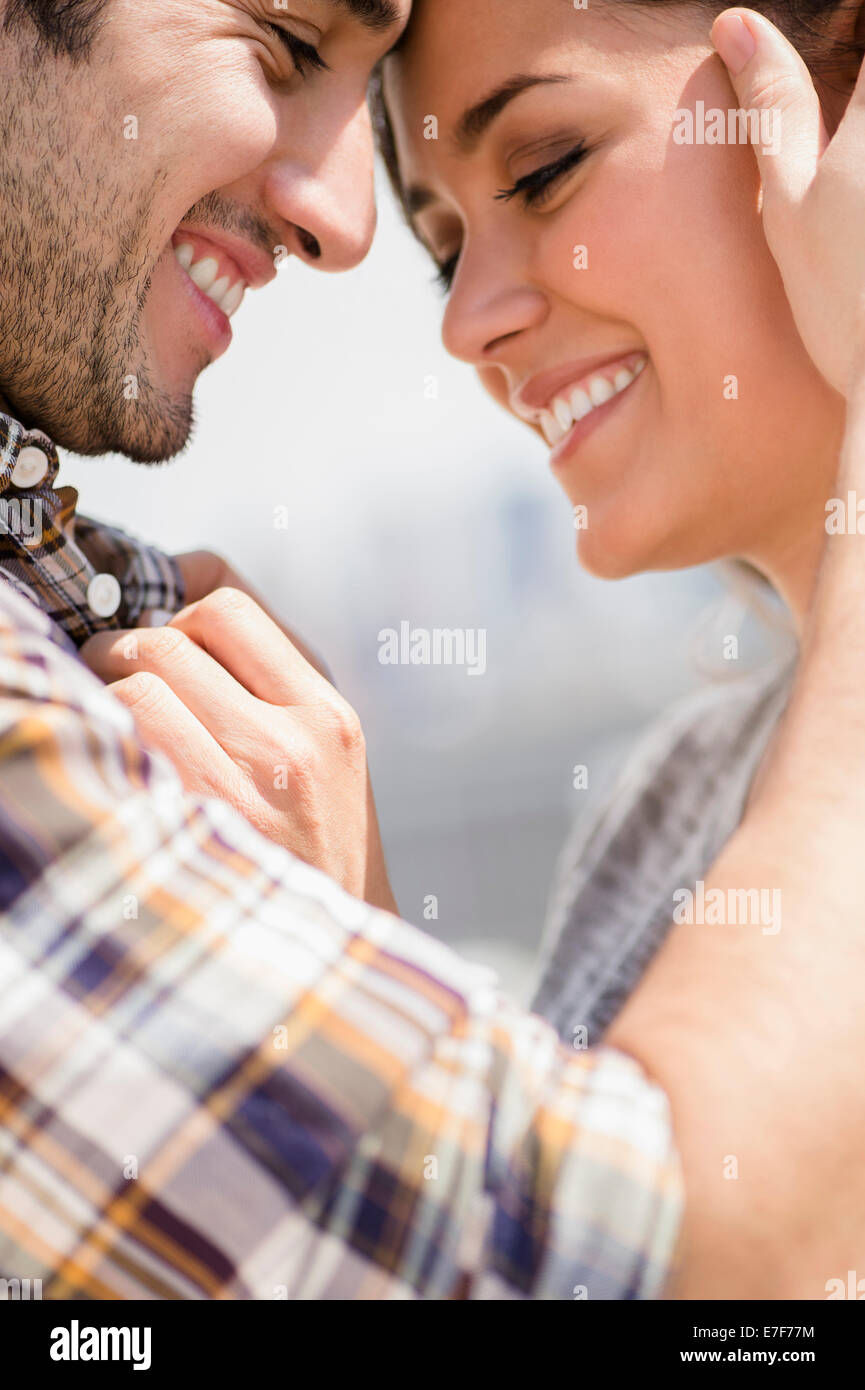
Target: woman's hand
[[204, 572], [813, 191], [245, 718]]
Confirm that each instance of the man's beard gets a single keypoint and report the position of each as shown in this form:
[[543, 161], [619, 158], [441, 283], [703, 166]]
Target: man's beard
[[71, 359]]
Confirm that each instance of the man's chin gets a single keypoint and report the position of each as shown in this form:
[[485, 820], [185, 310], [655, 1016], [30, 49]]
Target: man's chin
[[146, 427], [161, 432]]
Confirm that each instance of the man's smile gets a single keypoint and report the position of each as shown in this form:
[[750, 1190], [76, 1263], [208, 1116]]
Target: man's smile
[[211, 271], [217, 269]]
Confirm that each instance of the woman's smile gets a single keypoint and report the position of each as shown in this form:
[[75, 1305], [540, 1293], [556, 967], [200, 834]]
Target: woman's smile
[[585, 391], [560, 210], [590, 409]]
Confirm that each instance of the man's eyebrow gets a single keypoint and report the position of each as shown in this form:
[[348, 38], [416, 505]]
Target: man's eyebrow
[[478, 118], [372, 14]]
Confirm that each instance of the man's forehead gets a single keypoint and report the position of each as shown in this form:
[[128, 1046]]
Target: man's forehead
[[378, 14]]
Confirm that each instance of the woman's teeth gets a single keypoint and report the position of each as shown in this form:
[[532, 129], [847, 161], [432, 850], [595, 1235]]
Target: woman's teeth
[[566, 410], [205, 274]]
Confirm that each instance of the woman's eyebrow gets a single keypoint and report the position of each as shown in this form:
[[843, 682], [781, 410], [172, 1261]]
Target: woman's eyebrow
[[473, 123], [477, 119]]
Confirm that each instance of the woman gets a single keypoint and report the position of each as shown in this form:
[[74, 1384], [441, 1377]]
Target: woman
[[595, 215]]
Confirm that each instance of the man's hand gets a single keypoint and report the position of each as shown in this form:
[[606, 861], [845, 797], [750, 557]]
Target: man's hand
[[244, 717]]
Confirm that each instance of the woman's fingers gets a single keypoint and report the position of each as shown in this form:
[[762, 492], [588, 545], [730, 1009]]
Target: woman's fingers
[[204, 572], [211, 694], [164, 723], [242, 638], [813, 191], [769, 76]]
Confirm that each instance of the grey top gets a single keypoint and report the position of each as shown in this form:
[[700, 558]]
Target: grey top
[[660, 829]]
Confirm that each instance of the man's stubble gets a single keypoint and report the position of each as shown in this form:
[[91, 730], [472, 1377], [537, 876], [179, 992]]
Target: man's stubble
[[75, 267]]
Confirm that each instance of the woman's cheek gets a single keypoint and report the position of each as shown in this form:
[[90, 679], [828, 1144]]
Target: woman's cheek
[[597, 254]]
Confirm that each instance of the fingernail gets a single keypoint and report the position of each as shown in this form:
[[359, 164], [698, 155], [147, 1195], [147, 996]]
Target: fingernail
[[734, 42]]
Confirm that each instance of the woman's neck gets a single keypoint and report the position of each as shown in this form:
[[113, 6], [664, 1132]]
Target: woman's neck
[[790, 565]]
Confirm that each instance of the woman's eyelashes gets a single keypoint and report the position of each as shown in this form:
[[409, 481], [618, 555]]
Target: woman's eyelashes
[[535, 189], [538, 186]]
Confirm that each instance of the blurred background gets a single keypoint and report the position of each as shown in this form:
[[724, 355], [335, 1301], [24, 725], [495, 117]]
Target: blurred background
[[360, 478]]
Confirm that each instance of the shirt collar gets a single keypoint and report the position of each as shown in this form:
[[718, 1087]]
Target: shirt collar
[[86, 576]]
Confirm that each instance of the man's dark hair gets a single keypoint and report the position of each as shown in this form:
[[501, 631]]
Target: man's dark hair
[[63, 26]]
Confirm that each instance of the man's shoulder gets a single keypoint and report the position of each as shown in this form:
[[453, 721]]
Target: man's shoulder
[[20, 611], [40, 662]]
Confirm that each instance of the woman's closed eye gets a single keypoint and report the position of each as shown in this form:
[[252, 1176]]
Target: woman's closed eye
[[538, 186], [535, 189]]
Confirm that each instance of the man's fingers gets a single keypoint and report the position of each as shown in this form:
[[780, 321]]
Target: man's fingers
[[244, 639], [771, 79]]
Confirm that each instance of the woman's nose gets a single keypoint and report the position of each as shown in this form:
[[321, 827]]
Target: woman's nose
[[490, 307]]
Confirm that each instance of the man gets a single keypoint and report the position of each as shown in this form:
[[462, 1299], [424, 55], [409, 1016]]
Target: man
[[220, 1074]]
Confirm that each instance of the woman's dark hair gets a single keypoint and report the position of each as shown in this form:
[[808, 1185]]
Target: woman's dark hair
[[803, 21], [62, 26]]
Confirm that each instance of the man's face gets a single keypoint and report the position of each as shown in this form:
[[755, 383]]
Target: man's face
[[202, 124]]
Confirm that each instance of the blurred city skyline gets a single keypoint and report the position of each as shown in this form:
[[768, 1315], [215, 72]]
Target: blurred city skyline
[[361, 478]]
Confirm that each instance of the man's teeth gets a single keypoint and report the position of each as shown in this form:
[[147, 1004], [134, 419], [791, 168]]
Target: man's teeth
[[566, 410], [205, 274]]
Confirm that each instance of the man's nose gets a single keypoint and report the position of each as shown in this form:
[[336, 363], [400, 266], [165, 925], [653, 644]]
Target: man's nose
[[324, 191]]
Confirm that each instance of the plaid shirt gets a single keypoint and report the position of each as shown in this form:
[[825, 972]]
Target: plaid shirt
[[220, 1076], [52, 556]]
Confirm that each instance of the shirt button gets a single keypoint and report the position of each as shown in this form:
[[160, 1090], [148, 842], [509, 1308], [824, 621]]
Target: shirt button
[[31, 467], [103, 595]]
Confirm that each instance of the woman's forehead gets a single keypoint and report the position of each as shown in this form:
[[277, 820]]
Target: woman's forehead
[[454, 52]]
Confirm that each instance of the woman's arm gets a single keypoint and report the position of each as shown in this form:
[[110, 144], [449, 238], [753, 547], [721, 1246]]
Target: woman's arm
[[772, 1026]]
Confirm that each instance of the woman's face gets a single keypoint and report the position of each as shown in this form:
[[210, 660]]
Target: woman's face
[[643, 250]]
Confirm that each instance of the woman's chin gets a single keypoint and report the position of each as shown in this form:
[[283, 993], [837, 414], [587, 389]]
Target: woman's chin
[[618, 552], [608, 557]]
